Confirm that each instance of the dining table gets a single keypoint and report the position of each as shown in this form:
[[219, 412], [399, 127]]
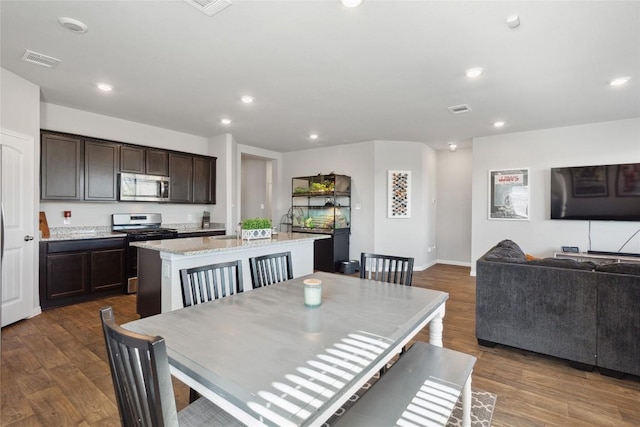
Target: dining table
[[268, 360]]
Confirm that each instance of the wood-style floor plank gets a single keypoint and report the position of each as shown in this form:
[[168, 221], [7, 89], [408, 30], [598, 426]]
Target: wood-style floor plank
[[54, 369]]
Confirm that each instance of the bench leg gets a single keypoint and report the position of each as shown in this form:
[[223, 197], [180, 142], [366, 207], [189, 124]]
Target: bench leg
[[466, 403], [435, 328]]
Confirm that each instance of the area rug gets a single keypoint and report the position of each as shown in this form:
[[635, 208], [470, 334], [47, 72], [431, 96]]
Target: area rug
[[482, 406]]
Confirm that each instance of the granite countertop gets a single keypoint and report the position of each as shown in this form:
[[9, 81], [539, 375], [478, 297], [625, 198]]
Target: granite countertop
[[104, 232], [212, 244]]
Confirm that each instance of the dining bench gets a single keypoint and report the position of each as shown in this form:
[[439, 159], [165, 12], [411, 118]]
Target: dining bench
[[420, 389]]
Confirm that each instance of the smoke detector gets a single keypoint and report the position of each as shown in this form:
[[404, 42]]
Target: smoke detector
[[73, 25], [40, 59], [209, 7], [459, 109]]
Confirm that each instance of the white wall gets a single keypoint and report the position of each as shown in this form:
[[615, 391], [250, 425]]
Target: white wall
[[20, 112], [414, 236], [64, 119], [593, 144], [354, 160], [367, 164], [254, 185], [453, 206]]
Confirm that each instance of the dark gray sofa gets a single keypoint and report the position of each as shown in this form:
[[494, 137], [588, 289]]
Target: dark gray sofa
[[587, 314]]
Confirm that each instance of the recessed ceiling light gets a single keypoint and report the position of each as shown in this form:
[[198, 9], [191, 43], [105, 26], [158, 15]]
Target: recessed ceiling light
[[247, 99], [452, 146], [513, 21], [351, 3], [474, 72], [73, 25], [105, 87], [313, 136], [225, 121], [619, 81], [498, 124]]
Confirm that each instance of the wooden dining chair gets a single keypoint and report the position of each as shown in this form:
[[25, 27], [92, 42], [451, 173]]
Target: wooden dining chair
[[386, 268], [269, 269], [209, 282], [142, 382]]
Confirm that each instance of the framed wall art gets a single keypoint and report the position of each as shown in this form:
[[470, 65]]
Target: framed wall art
[[399, 194], [509, 194]]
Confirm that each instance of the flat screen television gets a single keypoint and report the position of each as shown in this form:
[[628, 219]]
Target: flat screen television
[[602, 192]]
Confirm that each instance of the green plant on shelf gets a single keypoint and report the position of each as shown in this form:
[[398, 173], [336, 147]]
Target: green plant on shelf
[[256, 223]]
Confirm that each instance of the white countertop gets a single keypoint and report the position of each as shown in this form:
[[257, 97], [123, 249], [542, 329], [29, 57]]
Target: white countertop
[[212, 244]]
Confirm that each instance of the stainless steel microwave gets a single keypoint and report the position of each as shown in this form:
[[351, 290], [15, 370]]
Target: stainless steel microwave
[[144, 188]]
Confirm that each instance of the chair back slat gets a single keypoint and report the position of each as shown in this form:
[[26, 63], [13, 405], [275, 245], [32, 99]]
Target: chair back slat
[[386, 268], [209, 282], [269, 269], [140, 374]]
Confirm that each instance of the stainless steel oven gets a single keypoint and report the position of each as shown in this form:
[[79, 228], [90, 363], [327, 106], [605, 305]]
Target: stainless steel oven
[[138, 228]]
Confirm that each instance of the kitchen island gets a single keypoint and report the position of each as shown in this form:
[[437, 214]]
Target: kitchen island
[[160, 262]]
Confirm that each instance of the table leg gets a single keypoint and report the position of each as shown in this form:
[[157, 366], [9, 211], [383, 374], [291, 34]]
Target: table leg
[[466, 403], [435, 328]]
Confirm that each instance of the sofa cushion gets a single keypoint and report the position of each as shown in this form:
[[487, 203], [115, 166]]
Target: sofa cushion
[[563, 263], [620, 268], [506, 251], [510, 244]]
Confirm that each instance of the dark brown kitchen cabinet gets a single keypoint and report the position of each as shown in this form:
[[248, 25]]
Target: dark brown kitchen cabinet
[[72, 271], [61, 171], [204, 180], [74, 167], [101, 170], [149, 161], [157, 162], [181, 175], [132, 159]]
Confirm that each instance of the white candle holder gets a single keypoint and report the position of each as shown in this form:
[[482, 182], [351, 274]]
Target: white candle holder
[[312, 293]]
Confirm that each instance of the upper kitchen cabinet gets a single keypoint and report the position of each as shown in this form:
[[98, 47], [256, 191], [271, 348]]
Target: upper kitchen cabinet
[[157, 162], [204, 180], [132, 159], [181, 175], [61, 169], [150, 161], [75, 167], [101, 170]]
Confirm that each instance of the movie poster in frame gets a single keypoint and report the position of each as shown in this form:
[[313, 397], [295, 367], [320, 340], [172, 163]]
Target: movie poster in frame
[[399, 194], [509, 194]]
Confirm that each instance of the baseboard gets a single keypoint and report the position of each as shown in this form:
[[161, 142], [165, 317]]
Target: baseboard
[[424, 267], [451, 262]]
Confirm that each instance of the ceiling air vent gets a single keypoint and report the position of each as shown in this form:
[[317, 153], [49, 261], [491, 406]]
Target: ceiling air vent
[[459, 109], [40, 59], [209, 7]]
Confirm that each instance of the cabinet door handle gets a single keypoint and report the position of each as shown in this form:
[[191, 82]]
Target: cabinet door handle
[[28, 238]]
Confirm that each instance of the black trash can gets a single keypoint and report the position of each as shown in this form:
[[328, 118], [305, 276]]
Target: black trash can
[[350, 267]]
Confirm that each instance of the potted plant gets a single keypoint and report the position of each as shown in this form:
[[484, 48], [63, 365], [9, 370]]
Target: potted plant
[[256, 228]]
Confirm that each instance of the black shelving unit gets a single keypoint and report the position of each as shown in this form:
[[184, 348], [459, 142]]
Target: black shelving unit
[[322, 205]]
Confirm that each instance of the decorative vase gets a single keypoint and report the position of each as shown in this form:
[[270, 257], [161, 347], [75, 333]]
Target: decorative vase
[[260, 233]]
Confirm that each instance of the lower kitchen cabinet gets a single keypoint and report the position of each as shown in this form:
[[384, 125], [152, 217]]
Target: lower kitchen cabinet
[[73, 271]]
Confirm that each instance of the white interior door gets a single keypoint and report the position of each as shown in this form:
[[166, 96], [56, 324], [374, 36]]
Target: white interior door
[[18, 263]]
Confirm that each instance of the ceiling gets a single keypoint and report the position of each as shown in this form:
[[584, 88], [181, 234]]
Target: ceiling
[[386, 70]]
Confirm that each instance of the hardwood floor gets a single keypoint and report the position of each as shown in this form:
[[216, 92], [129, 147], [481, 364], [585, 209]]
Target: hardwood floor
[[54, 370]]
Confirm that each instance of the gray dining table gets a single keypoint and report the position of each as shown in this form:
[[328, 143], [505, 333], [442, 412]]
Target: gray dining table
[[268, 360]]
